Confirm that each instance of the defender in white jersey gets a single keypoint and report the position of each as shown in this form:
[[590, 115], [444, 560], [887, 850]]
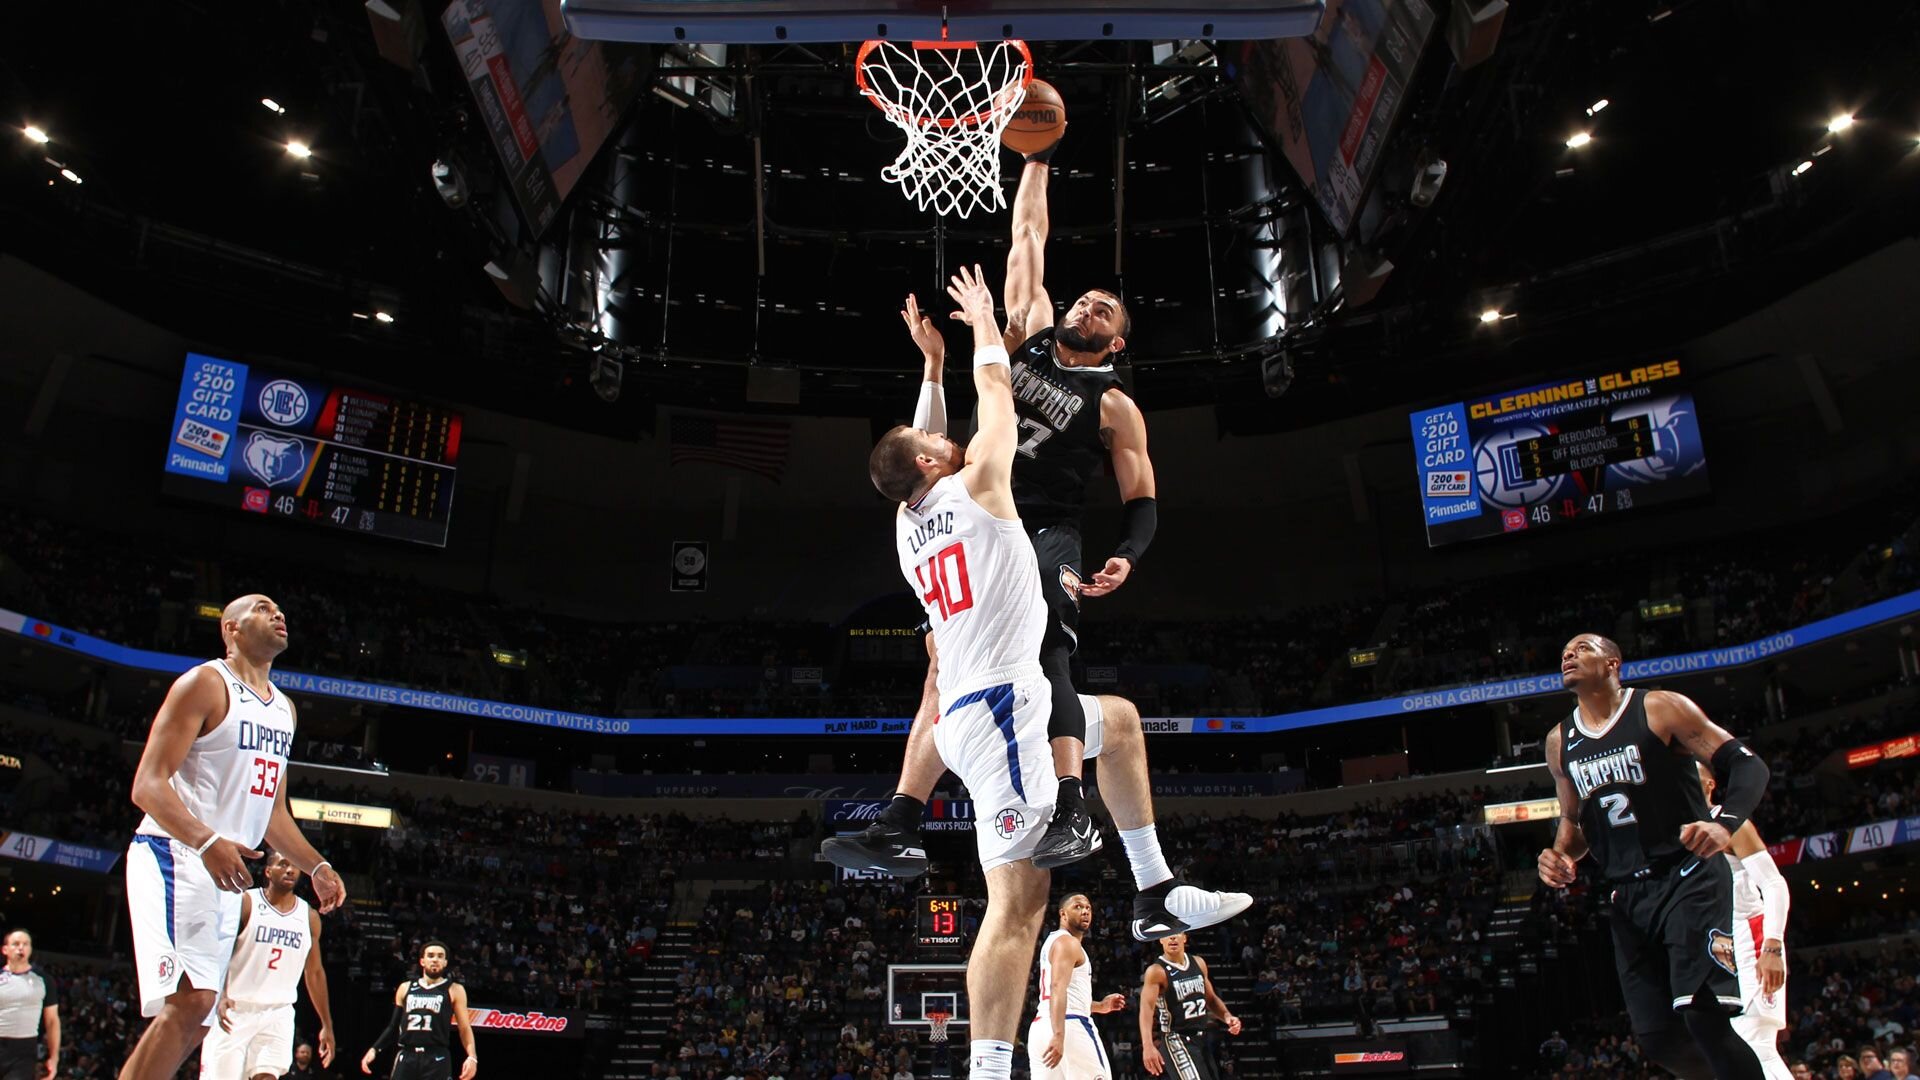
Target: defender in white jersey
[[212, 784], [278, 945], [1760, 904], [1062, 1043]]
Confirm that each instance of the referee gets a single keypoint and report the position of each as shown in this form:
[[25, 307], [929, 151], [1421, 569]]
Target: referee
[[29, 1008]]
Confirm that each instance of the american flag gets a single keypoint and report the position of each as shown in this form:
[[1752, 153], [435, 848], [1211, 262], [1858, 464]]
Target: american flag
[[758, 446]]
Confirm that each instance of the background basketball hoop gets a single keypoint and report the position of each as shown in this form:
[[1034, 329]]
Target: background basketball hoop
[[937, 1026], [952, 99]]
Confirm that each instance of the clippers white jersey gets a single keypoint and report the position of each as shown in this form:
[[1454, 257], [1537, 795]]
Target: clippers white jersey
[[979, 580], [272, 953], [1079, 984], [232, 773]]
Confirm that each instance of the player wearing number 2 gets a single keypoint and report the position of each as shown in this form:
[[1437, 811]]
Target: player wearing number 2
[[1623, 766], [212, 784], [278, 945]]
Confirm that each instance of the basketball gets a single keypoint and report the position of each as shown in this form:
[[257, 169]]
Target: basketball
[[1038, 122]]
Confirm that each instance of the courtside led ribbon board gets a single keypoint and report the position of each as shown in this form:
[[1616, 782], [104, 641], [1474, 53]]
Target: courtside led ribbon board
[[296, 682]]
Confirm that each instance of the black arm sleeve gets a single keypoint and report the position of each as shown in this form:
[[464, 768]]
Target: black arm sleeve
[[391, 1034], [1740, 778], [1137, 524]]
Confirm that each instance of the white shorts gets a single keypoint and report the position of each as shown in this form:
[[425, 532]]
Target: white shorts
[[1766, 1011], [1083, 1058], [183, 925], [995, 740], [1095, 729], [261, 1042]]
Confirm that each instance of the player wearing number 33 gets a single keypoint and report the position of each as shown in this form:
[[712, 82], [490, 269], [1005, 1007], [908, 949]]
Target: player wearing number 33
[[1624, 768], [212, 782]]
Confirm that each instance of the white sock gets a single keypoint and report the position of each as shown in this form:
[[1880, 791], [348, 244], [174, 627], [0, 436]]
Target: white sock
[[992, 1060], [1143, 854]]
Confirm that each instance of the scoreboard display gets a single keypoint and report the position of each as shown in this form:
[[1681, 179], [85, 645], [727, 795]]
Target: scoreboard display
[[941, 925], [1581, 447], [305, 451]]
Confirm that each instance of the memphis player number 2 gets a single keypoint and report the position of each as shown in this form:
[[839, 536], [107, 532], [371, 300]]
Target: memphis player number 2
[[944, 579]]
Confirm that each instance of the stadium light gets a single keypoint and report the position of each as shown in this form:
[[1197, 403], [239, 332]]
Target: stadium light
[[71, 175], [1802, 167], [382, 317], [1597, 106], [1579, 139], [273, 106], [1491, 315], [299, 149], [1840, 123], [35, 133]]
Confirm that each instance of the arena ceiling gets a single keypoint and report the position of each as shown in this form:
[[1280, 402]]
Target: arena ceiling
[[1682, 212]]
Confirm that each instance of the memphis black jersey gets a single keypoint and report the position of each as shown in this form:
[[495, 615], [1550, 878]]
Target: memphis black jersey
[[1636, 790], [428, 1024], [1183, 1008], [1060, 449]]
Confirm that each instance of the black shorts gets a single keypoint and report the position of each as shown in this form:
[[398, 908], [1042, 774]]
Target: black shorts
[[423, 1065], [1058, 549], [19, 1059], [1187, 1057], [1673, 938]]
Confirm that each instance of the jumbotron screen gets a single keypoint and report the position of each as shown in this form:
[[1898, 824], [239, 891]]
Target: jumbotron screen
[[305, 451], [1543, 456]]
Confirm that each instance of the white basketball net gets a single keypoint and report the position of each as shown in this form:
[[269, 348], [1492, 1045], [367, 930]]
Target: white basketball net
[[952, 99], [937, 1023]]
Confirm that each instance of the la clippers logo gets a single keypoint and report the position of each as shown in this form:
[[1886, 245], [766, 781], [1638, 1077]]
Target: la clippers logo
[[283, 402], [275, 459], [1007, 822], [166, 967]]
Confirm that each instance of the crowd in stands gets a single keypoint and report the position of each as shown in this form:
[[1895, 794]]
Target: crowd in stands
[[408, 633]]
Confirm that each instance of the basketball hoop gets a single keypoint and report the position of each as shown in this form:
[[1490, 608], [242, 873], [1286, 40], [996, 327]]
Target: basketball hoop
[[952, 99], [937, 1026]]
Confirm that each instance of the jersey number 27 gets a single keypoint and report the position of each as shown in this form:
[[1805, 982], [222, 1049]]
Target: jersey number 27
[[944, 581]]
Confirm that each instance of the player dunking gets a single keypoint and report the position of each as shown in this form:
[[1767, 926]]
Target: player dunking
[[425, 1011], [1760, 904], [1072, 414], [1623, 767], [212, 782], [1062, 1043], [1176, 997], [278, 945]]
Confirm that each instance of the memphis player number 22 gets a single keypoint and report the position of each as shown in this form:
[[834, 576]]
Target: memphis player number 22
[[944, 580]]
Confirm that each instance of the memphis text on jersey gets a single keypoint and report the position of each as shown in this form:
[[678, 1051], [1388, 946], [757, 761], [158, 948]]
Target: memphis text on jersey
[[275, 741], [432, 1003], [940, 524], [1189, 985], [1622, 766], [1057, 405]]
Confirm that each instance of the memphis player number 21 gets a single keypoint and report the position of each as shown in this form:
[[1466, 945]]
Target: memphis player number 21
[[944, 580]]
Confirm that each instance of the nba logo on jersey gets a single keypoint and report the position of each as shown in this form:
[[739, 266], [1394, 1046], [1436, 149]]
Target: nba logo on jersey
[[1007, 822]]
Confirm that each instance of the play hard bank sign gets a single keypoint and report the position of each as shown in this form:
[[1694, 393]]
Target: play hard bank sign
[[566, 1025]]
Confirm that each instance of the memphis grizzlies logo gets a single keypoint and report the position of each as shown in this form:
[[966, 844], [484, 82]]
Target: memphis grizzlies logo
[[284, 402], [1676, 442], [275, 459]]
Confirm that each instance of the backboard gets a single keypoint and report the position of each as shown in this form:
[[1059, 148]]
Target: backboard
[[766, 22], [914, 990]]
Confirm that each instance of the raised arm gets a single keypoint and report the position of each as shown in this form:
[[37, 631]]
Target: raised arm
[[194, 705], [315, 976], [930, 412], [1739, 776], [1029, 309], [989, 469], [1557, 863]]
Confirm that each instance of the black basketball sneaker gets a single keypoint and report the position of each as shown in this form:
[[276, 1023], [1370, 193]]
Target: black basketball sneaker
[[1071, 836], [883, 846]]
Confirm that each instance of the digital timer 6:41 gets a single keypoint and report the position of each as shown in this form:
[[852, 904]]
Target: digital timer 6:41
[[942, 926]]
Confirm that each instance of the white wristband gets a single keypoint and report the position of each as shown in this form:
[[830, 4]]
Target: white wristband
[[317, 866], [990, 354], [202, 849]]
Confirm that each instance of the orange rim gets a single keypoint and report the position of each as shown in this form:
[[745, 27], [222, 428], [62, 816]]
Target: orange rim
[[970, 120]]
